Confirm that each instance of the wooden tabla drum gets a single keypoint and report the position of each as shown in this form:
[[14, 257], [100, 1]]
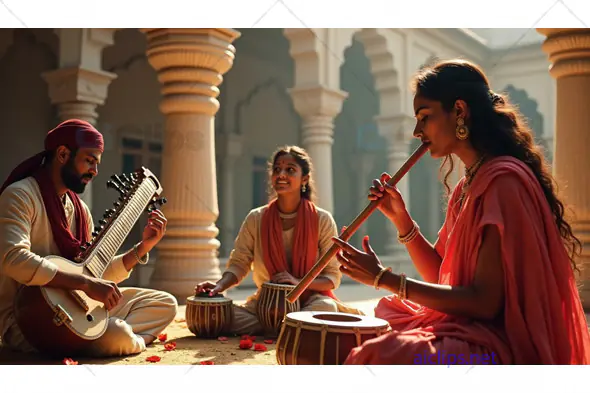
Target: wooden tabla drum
[[209, 316], [272, 306], [318, 338]]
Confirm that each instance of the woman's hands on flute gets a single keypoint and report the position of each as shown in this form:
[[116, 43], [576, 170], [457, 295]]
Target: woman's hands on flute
[[360, 266], [392, 204]]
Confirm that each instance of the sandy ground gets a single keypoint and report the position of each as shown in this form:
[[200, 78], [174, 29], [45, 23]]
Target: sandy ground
[[191, 350]]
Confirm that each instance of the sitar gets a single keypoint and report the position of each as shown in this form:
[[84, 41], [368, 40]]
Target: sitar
[[62, 322]]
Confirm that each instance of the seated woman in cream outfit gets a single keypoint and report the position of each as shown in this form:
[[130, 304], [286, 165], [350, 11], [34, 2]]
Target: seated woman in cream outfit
[[281, 241]]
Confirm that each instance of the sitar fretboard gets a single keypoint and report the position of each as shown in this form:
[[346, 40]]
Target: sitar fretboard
[[118, 229]]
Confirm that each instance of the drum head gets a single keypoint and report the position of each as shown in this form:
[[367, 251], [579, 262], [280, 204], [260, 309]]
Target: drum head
[[207, 300], [206, 295], [336, 319], [272, 285]]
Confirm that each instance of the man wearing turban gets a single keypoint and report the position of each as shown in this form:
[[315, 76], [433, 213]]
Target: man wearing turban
[[41, 214]]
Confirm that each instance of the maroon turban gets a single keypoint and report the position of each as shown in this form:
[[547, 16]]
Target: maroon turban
[[74, 134]]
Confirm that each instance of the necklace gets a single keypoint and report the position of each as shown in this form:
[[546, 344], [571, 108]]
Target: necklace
[[469, 175]]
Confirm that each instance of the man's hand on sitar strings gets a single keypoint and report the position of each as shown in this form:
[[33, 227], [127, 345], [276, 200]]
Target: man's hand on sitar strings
[[154, 230], [285, 278]]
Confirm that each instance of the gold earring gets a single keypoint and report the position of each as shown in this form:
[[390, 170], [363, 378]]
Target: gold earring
[[303, 188], [462, 132]]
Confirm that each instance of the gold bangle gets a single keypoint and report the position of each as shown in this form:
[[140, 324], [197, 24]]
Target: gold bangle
[[410, 235], [402, 293], [379, 275]]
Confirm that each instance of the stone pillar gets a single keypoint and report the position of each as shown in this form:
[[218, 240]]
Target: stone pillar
[[190, 64], [569, 54], [79, 86], [230, 149], [364, 163], [318, 106], [398, 132]]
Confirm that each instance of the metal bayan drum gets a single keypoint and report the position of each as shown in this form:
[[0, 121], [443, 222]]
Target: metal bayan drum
[[209, 316], [318, 338], [272, 306]]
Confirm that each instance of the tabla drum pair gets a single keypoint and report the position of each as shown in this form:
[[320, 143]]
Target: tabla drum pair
[[209, 316], [272, 306], [324, 338]]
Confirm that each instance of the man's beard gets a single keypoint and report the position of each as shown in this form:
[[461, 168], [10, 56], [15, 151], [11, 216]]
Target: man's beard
[[72, 180]]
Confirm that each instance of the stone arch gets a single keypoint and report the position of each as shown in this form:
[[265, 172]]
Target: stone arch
[[272, 86], [369, 75]]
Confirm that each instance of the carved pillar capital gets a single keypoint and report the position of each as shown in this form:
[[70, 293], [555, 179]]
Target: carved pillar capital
[[190, 64], [568, 51]]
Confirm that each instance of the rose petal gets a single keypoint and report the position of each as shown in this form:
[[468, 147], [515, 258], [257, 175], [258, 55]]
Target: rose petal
[[170, 346], [153, 359], [245, 344], [69, 362], [260, 347], [268, 341], [163, 337], [207, 362], [222, 338]]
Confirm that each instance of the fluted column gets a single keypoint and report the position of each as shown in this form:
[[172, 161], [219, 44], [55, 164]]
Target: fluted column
[[190, 64], [398, 132], [230, 150], [318, 106], [364, 163], [79, 86], [569, 55]]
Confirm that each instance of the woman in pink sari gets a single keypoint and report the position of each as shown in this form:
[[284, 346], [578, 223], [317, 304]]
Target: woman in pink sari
[[499, 284]]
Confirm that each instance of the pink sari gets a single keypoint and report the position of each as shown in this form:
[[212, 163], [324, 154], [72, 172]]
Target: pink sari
[[543, 318]]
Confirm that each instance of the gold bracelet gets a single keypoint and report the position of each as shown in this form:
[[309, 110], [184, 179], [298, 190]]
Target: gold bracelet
[[410, 236], [402, 286], [378, 277]]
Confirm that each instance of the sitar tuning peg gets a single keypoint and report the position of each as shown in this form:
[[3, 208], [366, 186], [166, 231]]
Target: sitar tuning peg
[[156, 204], [113, 184], [127, 179]]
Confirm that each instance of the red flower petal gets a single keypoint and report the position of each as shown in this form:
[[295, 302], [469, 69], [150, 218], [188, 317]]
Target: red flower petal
[[153, 359], [245, 344], [253, 338], [260, 347], [245, 337], [268, 341], [170, 346], [69, 362], [222, 338], [207, 362], [163, 337]]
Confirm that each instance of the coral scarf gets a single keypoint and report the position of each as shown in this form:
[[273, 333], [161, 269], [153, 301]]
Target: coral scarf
[[543, 318], [305, 242]]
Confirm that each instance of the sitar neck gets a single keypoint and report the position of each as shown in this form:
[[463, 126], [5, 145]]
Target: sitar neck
[[141, 190]]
